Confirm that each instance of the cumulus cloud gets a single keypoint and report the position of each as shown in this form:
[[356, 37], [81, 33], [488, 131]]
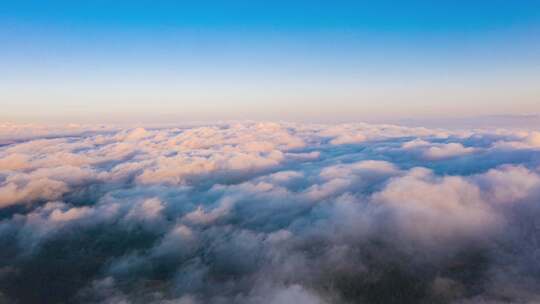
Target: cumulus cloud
[[437, 209], [433, 151], [522, 140], [254, 213]]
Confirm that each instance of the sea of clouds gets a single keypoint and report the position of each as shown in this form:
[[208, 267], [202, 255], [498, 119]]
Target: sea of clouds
[[277, 213]]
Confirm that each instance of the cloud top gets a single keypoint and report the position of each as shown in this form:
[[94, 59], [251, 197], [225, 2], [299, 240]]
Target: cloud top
[[268, 213]]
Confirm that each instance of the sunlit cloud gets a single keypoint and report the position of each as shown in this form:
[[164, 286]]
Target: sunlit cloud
[[268, 213]]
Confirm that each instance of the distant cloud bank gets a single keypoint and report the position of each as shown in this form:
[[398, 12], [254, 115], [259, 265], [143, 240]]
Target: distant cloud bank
[[254, 213]]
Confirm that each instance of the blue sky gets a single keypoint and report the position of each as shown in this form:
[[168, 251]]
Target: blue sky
[[156, 61]]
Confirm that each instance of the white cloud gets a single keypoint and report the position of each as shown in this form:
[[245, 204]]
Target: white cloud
[[525, 140], [434, 209], [435, 151], [268, 213]]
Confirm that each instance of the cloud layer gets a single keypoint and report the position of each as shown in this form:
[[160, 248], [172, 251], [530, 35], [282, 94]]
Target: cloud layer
[[253, 213]]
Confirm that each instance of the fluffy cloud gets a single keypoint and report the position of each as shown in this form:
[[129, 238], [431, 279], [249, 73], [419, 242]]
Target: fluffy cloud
[[433, 151], [254, 213], [437, 209]]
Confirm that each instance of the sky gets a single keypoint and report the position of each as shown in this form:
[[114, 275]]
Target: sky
[[314, 61], [276, 152]]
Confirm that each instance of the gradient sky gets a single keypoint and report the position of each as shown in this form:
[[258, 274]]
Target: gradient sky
[[179, 61]]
